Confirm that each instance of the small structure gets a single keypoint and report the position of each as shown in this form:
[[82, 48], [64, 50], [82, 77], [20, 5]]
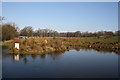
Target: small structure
[[22, 37], [16, 57], [17, 45]]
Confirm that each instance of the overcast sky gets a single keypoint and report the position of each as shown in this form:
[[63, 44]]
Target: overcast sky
[[63, 16]]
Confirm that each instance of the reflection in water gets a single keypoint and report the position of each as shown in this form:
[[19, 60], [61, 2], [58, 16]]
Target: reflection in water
[[78, 63], [24, 57], [105, 50], [77, 48], [42, 56], [55, 56], [25, 60], [33, 56], [0, 62], [16, 57]]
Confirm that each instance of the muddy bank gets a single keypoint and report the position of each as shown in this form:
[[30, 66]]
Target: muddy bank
[[99, 47], [113, 47]]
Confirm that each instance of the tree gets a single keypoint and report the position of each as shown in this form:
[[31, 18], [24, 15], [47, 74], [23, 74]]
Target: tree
[[108, 33], [77, 34], [9, 31], [45, 33], [117, 33], [0, 33], [1, 19], [26, 31]]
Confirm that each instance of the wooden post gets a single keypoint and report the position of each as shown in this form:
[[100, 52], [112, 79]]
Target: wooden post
[[17, 45]]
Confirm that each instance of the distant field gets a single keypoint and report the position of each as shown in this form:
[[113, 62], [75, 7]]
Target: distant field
[[101, 39]]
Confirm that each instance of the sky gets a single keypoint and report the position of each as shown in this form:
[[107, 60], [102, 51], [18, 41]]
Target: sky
[[0, 8], [60, 0], [63, 16]]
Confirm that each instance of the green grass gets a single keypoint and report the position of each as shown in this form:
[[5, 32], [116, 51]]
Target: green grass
[[5, 43], [102, 40]]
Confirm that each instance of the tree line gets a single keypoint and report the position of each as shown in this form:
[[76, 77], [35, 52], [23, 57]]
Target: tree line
[[10, 31]]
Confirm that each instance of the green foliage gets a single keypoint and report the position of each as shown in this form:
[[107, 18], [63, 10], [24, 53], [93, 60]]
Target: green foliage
[[54, 37], [9, 31], [25, 42]]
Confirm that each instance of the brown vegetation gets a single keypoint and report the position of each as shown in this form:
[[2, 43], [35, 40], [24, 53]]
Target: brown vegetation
[[42, 45]]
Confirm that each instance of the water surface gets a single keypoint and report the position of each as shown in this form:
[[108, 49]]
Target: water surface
[[71, 64]]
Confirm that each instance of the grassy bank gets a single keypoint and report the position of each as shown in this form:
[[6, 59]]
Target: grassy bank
[[42, 45], [6, 43]]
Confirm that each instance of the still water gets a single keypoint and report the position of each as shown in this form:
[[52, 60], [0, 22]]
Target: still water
[[70, 64]]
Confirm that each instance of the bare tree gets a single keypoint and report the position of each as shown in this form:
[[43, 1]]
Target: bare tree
[[27, 31]]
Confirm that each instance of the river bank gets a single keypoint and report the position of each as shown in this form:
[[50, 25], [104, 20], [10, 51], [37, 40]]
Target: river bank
[[43, 45]]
